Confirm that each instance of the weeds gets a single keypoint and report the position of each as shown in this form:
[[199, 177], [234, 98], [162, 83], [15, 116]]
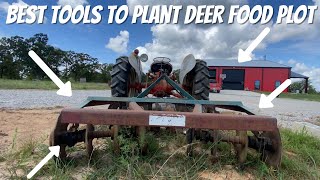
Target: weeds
[[166, 159], [304, 157]]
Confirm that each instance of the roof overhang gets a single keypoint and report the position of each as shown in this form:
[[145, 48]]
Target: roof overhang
[[297, 75]]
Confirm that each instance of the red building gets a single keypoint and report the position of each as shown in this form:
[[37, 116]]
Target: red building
[[259, 75]]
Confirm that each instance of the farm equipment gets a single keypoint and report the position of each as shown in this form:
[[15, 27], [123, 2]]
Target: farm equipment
[[166, 104], [214, 86]]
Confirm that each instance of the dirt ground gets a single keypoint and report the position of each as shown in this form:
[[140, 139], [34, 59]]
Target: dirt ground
[[227, 173], [19, 126]]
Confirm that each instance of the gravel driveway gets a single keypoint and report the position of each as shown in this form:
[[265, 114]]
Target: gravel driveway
[[289, 112], [41, 98]]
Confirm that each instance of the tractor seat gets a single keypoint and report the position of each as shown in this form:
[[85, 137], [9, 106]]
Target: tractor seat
[[161, 63]]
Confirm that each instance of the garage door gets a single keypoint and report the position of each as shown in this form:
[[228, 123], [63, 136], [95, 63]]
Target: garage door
[[234, 79]]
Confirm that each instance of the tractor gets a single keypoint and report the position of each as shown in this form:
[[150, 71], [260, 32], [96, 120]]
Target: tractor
[[161, 102]]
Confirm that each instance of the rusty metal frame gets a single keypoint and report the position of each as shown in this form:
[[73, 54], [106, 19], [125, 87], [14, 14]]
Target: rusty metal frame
[[139, 117]]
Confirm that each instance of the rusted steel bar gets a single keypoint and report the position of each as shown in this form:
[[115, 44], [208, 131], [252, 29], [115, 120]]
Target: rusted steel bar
[[183, 119]]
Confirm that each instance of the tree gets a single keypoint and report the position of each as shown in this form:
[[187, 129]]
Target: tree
[[105, 72], [51, 56], [66, 62], [15, 62], [83, 66], [12, 53], [300, 85]]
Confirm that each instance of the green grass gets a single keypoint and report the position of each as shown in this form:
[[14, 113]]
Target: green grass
[[306, 97], [166, 160], [48, 85], [302, 155]]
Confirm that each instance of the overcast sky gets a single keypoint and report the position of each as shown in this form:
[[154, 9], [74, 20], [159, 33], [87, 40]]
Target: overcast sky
[[294, 45]]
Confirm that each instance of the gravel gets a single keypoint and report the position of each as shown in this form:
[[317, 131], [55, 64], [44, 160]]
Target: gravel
[[295, 110], [16, 99], [289, 112]]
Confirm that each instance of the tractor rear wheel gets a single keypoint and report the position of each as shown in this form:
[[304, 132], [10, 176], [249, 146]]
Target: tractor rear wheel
[[199, 87]]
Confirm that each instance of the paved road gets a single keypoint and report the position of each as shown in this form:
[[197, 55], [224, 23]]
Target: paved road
[[290, 113]]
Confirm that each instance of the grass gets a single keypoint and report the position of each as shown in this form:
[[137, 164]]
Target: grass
[[166, 160], [302, 155], [48, 85], [306, 97]]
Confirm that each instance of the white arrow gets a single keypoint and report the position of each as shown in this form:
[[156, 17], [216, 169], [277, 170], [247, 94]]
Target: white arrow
[[64, 89], [244, 56], [266, 101], [54, 151]]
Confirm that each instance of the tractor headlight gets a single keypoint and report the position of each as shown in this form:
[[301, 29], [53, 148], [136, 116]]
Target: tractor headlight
[[143, 58]]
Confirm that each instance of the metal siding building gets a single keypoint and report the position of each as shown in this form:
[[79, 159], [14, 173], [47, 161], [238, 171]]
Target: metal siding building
[[260, 75]]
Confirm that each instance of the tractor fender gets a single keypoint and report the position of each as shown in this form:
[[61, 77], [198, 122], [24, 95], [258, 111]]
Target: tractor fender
[[188, 63], [136, 64]]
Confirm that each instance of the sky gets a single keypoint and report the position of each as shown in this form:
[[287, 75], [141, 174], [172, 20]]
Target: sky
[[293, 45]]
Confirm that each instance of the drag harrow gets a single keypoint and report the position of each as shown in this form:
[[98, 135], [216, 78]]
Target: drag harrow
[[166, 104]]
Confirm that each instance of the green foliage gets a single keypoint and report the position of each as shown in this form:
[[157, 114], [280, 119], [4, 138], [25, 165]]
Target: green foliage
[[166, 160], [306, 97], [300, 86], [301, 157], [16, 64]]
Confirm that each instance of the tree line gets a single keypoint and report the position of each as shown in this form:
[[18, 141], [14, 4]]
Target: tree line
[[15, 62]]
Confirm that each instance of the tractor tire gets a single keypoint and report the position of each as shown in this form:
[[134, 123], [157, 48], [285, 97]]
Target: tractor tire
[[200, 83], [120, 77], [199, 88]]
